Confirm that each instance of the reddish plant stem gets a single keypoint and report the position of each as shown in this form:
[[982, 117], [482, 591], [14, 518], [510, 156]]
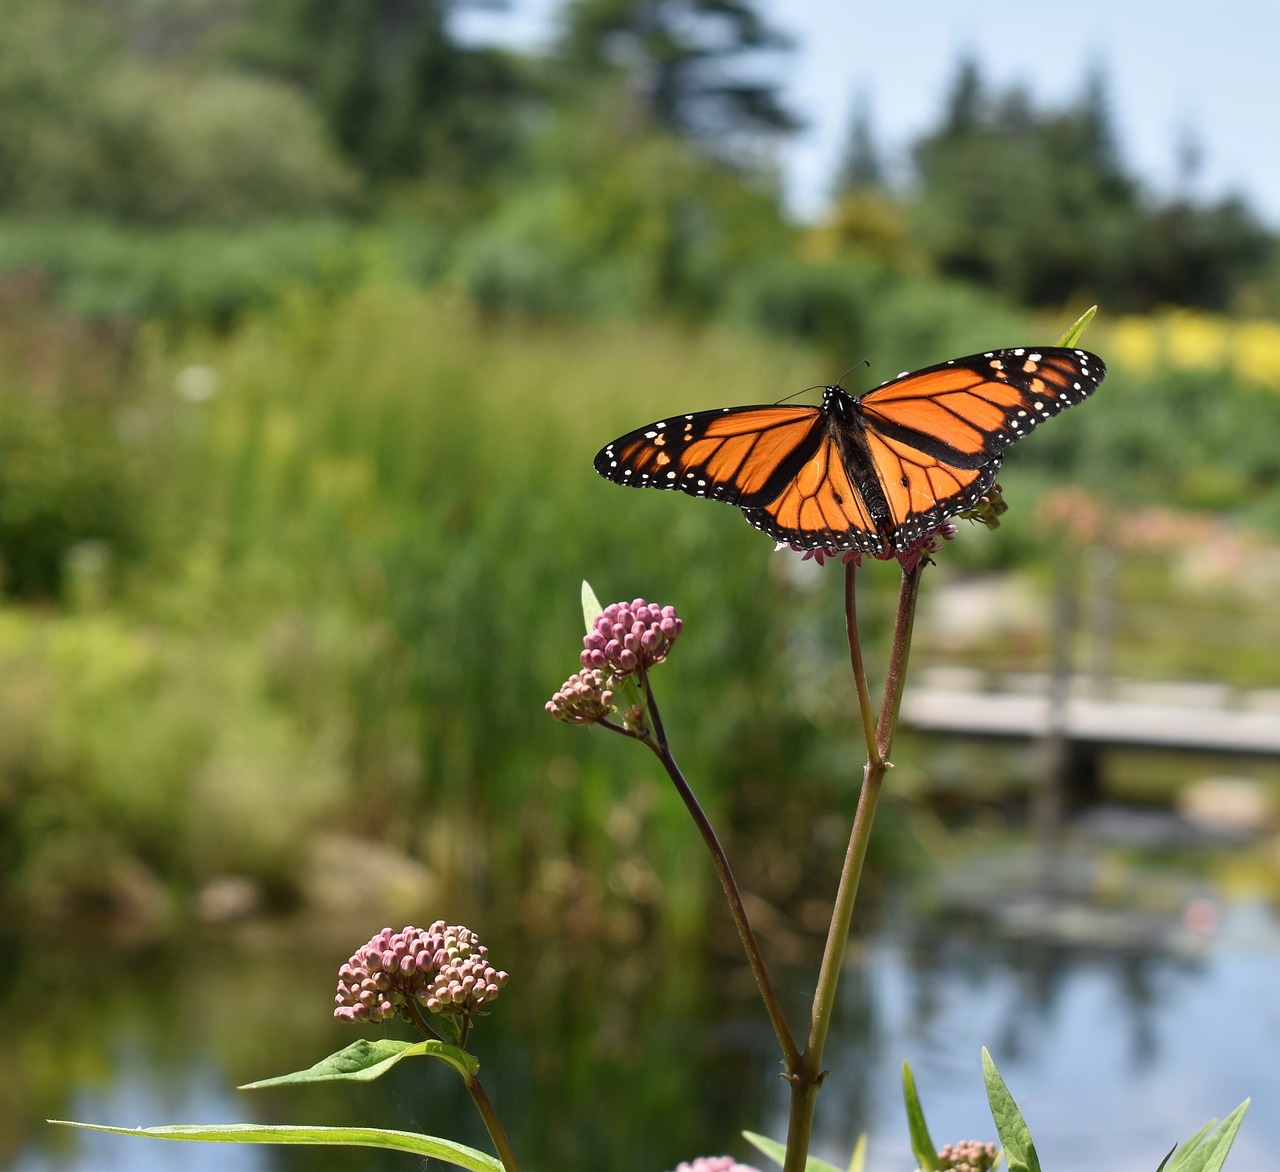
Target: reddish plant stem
[[790, 1051]]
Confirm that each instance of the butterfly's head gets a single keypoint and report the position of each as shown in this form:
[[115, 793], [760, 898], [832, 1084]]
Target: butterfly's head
[[837, 401]]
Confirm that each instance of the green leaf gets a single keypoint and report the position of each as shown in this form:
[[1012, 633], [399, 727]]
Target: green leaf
[[922, 1145], [778, 1153], [770, 1147], [1074, 334], [1199, 1154], [365, 1137], [858, 1161], [591, 608], [1172, 1160], [364, 1061], [1019, 1151]]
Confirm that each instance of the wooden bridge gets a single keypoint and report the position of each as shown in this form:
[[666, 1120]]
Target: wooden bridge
[[1188, 717]]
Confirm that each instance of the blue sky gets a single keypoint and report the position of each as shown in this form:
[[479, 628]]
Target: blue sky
[[1209, 69]]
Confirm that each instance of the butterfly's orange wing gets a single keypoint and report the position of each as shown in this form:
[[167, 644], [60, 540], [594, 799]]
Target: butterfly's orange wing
[[937, 436], [745, 456], [820, 508]]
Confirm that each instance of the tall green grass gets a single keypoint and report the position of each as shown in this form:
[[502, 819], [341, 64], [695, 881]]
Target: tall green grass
[[361, 585], [353, 582]]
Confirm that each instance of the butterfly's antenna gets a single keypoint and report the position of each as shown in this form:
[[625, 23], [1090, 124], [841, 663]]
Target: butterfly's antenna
[[822, 386], [861, 362], [802, 391]]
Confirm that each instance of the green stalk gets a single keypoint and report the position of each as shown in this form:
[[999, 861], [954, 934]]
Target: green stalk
[[497, 1134], [808, 1077]]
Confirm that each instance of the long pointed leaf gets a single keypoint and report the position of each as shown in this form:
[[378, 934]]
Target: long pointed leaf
[[858, 1161], [1019, 1151], [778, 1153], [922, 1145], [1073, 335], [1180, 1153], [1199, 1154], [366, 1137], [1222, 1139], [591, 608]]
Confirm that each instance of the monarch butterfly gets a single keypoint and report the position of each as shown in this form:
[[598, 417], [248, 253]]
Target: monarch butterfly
[[871, 473]]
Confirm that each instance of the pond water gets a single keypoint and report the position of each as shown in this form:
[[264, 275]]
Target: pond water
[[1121, 1027]]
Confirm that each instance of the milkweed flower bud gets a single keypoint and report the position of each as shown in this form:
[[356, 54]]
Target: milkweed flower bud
[[968, 1155], [714, 1164], [464, 978], [988, 509], [630, 636], [584, 698], [444, 968]]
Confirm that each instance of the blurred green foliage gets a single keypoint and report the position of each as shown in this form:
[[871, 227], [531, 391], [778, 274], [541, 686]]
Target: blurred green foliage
[[87, 126], [352, 582], [399, 95], [312, 318]]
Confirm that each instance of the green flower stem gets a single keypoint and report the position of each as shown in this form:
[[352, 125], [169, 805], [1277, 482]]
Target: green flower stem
[[790, 1051], [492, 1124], [420, 1020], [808, 1076], [499, 1137]]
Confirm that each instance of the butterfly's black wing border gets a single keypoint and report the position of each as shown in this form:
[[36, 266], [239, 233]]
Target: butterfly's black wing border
[[654, 456], [1046, 379]]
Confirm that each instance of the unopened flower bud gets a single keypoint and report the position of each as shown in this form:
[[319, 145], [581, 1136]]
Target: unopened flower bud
[[396, 967], [968, 1155], [630, 636], [584, 698]]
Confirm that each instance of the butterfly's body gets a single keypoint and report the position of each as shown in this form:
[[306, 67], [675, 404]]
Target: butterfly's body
[[872, 474]]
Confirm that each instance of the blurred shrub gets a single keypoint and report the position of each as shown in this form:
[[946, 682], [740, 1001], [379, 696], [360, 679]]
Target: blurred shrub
[[867, 226], [854, 310], [85, 128], [64, 480], [198, 275], [172, 148], [641, 226], [120, 746], [68, 479]]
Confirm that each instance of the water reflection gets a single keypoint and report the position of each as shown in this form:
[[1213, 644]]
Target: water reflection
[[608, 1058], [1114, 1053]]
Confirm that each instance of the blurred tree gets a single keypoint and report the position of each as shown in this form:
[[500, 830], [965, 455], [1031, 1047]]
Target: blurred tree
[[860, 166], [865, 222], [401, 97], [684, 64], [1039, 205]]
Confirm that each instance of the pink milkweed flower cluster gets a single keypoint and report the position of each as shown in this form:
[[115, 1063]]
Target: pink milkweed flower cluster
[[969, 1155], [625, 639], [715, 1164], [443, 968], [630, 636]]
